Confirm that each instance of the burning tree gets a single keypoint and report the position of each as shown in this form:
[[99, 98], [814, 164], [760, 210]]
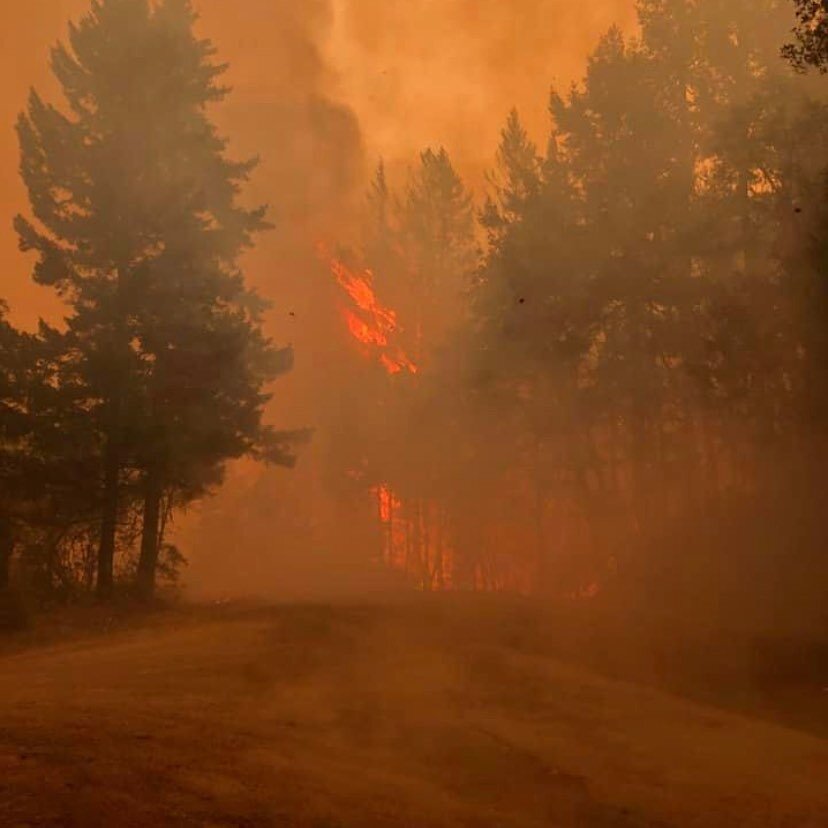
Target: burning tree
[[616, 363], [422, 249]]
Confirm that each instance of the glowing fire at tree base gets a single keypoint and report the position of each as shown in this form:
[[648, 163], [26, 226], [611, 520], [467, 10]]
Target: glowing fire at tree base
[[414, 535]]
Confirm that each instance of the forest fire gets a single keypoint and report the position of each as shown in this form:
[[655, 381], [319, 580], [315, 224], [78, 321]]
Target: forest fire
[[369, 321], [405, 542], [415, 536], [414, 540], [488, 488], [411, 539]]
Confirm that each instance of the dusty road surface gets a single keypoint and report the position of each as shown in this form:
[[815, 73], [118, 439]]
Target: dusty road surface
[[324, 716]]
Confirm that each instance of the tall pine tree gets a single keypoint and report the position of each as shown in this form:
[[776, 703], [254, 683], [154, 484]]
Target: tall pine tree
[[138, 226]]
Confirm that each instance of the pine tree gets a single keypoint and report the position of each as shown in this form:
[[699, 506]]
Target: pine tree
[[436, 227], [137, 225], [516, 179]]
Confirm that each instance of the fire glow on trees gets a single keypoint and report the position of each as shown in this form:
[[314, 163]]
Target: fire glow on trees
[[410, 541], [415, 536]]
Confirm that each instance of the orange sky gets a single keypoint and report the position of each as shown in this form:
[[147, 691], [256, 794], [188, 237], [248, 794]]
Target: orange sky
[[409, 72]]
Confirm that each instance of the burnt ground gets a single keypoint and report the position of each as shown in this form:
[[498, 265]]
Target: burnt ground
[[396, 715]]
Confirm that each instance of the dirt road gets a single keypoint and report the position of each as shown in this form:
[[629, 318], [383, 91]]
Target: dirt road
[[322, 716]]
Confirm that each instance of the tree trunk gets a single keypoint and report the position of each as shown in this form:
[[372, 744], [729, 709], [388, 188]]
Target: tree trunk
[[109, 519], [543, 575], [6, 550], [150, 534], [425, 544], [112, 454]]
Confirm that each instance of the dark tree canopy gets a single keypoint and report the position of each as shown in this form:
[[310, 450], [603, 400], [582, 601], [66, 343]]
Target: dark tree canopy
[[810, 48]]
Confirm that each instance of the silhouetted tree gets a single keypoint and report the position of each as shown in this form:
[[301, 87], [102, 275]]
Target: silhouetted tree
[[15, 355], [638, 318], [137, 226]]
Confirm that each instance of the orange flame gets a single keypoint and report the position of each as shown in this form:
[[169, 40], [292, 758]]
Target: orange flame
[[398, 363], [587, 593], [388, 503], [363, 332], [369, 321]]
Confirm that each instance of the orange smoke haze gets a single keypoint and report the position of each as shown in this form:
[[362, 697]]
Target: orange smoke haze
[[428, 72], [323, 88]]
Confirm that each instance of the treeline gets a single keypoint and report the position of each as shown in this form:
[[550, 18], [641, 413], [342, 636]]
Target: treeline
[[158, 375], [622, 365], [634, 400]]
